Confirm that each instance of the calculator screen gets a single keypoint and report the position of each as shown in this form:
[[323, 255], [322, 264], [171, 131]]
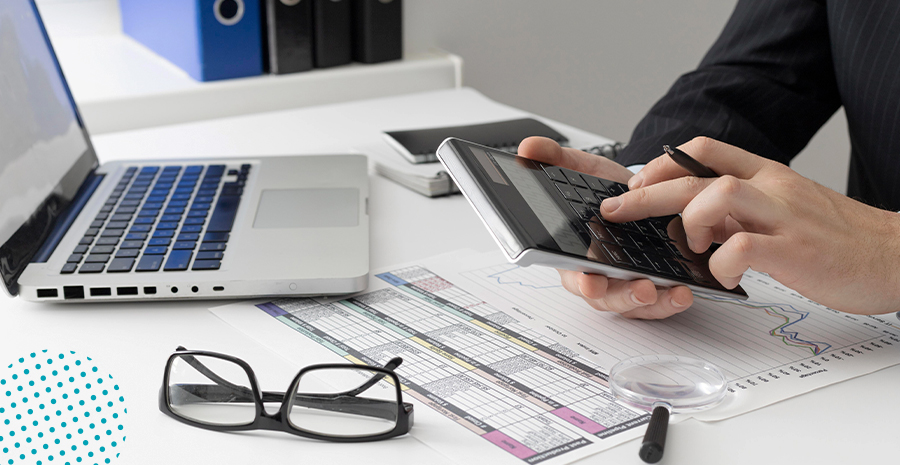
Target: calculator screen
[[535, 195]]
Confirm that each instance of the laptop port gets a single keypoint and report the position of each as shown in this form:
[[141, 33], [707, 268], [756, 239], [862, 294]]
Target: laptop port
[[219, 288], [45, 293], [174, 290], [101, 292], [150, 290], [195, 289], [127, 290], [73, 292]]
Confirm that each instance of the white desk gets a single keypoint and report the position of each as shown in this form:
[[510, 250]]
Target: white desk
[[851, 422]]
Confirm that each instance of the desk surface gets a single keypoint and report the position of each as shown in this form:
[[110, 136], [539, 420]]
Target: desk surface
[[850, 422]]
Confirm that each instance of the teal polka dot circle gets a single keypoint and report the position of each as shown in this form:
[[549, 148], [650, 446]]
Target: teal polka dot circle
[[50, 417]]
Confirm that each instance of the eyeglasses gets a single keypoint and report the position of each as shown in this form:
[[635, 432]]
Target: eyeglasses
[[334, 402]]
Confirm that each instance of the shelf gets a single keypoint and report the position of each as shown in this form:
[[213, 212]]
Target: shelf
[[119, 84]]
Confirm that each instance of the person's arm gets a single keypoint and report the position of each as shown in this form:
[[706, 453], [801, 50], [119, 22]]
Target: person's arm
[[766, 85]]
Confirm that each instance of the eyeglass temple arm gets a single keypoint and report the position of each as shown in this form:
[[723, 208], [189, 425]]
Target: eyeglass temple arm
[[391, 365], [200, 367]]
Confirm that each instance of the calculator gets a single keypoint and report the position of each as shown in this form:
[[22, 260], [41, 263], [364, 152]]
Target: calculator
[[541, 214]]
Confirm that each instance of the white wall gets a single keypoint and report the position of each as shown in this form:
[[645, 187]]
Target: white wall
[[595, 64]]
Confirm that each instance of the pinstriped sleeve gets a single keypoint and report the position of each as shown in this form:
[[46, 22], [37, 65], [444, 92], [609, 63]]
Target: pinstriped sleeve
[[766, 85]]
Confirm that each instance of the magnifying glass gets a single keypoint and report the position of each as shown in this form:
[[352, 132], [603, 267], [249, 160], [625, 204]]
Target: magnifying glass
[[665, 384]]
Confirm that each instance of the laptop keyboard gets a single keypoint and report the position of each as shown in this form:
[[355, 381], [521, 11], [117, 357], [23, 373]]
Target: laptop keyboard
[[642, 245], [162, 219]]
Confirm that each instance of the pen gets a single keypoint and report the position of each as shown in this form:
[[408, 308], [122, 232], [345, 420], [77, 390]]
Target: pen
[[689, 163]]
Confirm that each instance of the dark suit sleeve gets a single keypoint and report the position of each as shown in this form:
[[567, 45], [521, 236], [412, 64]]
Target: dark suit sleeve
[[767, 85]]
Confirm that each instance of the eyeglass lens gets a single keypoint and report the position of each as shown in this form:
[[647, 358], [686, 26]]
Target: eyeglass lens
[[344, 402], [210, 390]]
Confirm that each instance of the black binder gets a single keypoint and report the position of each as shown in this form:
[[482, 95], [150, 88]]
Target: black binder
[[290, 35], [332, 32], [377, 30]]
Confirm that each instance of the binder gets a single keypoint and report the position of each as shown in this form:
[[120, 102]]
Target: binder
[[377, 30], [332, 33], [209, 39], [289, 35]]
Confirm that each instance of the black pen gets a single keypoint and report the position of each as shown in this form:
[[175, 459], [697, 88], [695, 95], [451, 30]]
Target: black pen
[[689, 163]]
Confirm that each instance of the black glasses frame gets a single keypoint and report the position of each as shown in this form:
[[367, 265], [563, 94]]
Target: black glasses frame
[[279, 421]]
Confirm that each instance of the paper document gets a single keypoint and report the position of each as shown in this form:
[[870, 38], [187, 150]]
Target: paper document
[[503, 364]]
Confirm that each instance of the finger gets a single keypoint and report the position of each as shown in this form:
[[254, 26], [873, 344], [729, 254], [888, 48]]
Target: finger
[[670, 302], [592, 286], [569, 283], [666, 198], [548, 151], [622, 295], [728, 196], [760, 252], [721, 157]]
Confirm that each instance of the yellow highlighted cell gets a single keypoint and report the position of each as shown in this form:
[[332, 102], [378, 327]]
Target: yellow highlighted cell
[[443, 353], [504, 335]]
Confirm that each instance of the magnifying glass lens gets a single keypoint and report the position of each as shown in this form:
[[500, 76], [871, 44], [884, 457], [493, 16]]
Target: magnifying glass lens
[[665, 384]]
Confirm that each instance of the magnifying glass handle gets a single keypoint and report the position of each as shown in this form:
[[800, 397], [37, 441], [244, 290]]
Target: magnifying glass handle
[[655, 438]]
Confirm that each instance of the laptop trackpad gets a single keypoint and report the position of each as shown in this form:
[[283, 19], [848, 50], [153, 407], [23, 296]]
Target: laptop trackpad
[[307, 208]]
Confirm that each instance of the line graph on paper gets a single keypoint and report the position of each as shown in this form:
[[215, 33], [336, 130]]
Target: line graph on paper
[[741, 337]]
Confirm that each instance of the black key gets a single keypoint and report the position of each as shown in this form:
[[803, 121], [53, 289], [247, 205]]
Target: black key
[[615, 189], [102, 216], [108, 241], [75, 258], [582, 211], [122, 217], [140, 228], [661, 228], [658, 263], [639, 259], [149, 263], [156, 250], [600, 233], [641, 242], [128, 253], [191, 228], [215, 237], [596, 185], [96, 224], [621, 236], [135, 236], [99, 249], [617, 255], [97, 258], [120, 265], [232, 172], [91, 232], [117, 225], [91, 268], [223, 216], [112, 233], [677, 269], [210, 255], [132, 244], [186, 237], [567, 191], [68, 268], [245, 167], [588, 196], [207, 192], [206, 265], [178, 260], [86, 240], [629, 226], [645, 228], [195, 221], [212, 246], [574, 178], [159, 241], [186, 245], [80, 249], [232, 191]]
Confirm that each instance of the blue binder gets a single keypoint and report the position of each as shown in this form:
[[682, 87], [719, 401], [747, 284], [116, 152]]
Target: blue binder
[[210, 39]]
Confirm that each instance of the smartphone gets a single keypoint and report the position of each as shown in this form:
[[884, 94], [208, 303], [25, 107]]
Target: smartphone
[[546, 215]]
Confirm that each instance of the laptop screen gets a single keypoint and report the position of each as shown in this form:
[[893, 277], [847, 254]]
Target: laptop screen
[[45, 153]]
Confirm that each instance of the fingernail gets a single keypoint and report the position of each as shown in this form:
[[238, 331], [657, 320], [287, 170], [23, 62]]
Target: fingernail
[[611, 204], [677, 304], [636, 181], [634, 298]]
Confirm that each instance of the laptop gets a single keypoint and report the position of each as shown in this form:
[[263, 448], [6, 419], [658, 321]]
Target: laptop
[[74, 230]]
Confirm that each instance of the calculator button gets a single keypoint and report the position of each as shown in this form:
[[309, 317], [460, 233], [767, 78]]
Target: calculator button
[[555, 173], [658, 264], [588, 196], [677, 269], [639, 259], [600, 233], [620, 236], [574, 178], [596, 185], [568, 192], [630, 227], [640, 241], [615, 189], [582, 211], [645, 228], [617, 254]]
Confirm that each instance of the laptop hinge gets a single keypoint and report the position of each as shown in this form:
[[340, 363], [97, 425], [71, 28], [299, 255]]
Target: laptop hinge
[[65, 220]]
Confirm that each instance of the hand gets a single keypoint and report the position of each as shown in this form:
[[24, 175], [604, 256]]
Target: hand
[[633, 299], [830, 248]]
